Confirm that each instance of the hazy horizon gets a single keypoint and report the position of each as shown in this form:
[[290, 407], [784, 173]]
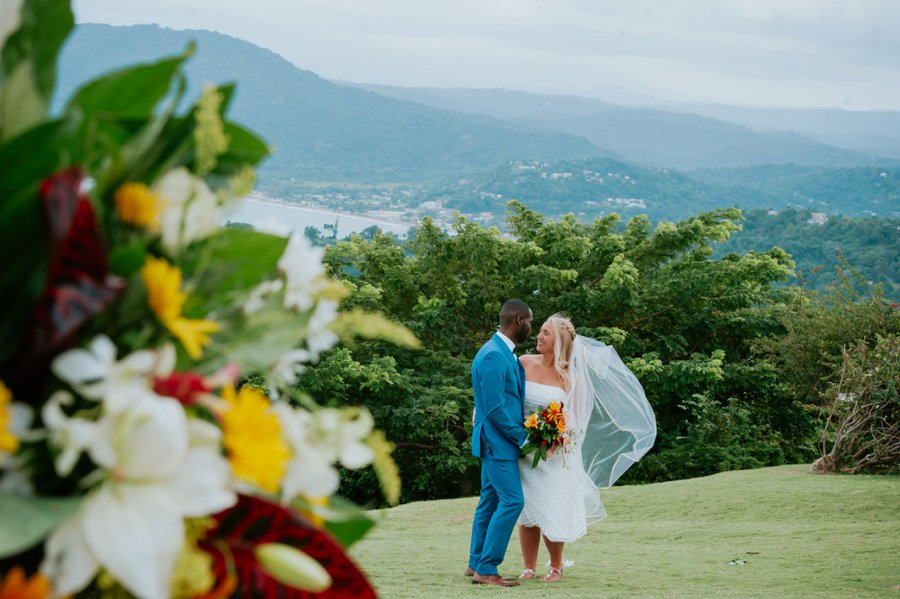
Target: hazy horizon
[[753, 53]]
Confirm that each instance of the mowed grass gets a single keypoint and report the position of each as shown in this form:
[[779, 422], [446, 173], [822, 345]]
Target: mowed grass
[[799, 535]]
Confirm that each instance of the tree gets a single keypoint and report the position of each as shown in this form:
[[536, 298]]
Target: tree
[[685, 321]]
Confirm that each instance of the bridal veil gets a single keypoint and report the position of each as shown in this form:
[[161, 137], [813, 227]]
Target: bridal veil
[[613, 419]]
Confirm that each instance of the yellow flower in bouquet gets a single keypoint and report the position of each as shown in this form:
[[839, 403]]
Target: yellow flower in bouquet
[[252, 437], [546, 431], [138, 206], [554, 412], [8, 441], [163, 283]]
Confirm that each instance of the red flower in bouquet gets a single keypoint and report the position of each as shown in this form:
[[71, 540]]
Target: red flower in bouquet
[[546, 431]]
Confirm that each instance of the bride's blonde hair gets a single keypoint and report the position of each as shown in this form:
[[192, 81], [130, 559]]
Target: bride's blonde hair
[[563, 339]]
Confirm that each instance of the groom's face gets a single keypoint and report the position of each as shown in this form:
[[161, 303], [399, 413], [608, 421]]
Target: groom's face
[[524, 323]]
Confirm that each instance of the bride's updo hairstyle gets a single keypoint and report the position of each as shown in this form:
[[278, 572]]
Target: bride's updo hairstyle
[[563, 338]]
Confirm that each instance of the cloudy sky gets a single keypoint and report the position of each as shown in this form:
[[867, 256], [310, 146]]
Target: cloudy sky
[[752, 52]]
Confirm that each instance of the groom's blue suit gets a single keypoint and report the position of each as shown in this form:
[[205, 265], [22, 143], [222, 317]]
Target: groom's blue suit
[[498, 381]]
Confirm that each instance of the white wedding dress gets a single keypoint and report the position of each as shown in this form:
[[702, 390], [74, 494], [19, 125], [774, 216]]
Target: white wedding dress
[[560, 497], [613, 425]]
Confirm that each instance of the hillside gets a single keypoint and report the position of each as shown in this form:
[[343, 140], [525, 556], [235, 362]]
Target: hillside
[[320, 131], [589, 188], [863, 191], [663, 138], [754, 534], [870, 245]]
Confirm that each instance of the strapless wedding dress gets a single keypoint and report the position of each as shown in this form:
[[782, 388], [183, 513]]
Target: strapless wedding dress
[[560, 497]]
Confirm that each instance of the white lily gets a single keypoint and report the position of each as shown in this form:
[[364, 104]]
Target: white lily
[[13, 478], [288, 366], [258, 295], [160, 468], [95, 373], [319, 337], [71, 435], [191, 209], [301, 264], [309, 472], [341, 438]]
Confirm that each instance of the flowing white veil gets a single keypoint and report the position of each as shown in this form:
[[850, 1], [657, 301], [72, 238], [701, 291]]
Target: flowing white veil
[[614, 422]]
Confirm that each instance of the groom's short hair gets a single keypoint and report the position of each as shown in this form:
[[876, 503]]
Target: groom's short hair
[[511, 310]]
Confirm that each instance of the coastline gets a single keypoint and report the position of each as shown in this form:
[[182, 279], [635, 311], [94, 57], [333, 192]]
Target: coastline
[[264, 199]]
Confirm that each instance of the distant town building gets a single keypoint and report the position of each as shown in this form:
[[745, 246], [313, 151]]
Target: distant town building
[[817, 218]]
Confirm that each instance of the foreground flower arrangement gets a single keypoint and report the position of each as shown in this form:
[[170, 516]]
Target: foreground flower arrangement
[[135, 457]]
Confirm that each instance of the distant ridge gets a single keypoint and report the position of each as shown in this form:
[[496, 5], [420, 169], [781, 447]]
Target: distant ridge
[[653, 136], [320, 130]]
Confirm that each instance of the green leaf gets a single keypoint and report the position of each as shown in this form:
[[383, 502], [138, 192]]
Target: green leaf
[[257, 343], [244, 147], [33, 155], [361, 324], [345, 520], [133, 92], [28, 65], [125, 260], [537, 458], [25, 521], [251, 256]]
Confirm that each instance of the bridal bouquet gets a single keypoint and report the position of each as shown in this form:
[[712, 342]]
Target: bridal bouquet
[[133, 462], [546, 430]]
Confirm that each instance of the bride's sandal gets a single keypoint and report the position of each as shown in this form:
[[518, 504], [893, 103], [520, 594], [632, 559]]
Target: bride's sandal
[[552, 575], [527, 574]]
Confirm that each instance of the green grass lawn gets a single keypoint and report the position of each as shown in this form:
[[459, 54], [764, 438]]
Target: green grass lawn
[[799, 535]]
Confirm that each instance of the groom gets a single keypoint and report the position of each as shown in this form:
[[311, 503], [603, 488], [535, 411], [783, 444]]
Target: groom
[[498, 434]]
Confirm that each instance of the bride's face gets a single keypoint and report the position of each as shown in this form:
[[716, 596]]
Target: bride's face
[[545, 339]]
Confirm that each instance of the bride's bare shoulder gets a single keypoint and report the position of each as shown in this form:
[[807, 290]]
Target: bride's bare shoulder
[[527, 359]]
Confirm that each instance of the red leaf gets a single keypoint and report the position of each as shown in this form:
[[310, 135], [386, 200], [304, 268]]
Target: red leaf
[[78, 282], [254, 521]]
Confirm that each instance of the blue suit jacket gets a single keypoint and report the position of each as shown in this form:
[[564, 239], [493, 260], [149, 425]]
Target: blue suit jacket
[[498, 381]]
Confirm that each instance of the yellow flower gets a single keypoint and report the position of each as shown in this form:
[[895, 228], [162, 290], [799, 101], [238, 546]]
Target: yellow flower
[[163, 283], [554, 412], [531, 421], [137, 205], [193, 333], [252, 437], [16, 586], [561, 425], [8, 441]]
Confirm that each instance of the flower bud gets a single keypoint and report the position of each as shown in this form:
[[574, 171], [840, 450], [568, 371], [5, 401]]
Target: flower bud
[[288, 565]]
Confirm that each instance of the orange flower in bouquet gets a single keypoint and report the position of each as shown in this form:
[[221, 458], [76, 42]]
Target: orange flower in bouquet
[[547, 433]]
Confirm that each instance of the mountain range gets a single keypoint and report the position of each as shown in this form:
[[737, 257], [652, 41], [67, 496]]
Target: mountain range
[[323, 130], [676, 138], [471, 148], [319, 130]]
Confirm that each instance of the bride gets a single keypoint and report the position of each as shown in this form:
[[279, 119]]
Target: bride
[[612, 427]]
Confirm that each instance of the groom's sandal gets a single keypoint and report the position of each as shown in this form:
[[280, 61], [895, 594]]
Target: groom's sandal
[[494, 579]]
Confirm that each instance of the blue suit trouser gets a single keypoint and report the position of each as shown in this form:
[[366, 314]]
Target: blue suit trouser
[[498, 510]]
